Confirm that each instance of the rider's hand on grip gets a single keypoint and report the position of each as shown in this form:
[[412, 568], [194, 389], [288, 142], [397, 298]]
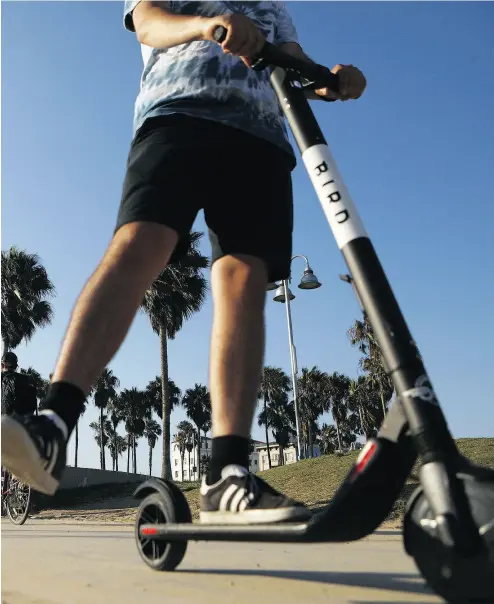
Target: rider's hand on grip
[[351, 83], [243, 38]]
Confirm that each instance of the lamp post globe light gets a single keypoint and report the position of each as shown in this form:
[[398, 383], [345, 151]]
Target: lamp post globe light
[[284, 294]]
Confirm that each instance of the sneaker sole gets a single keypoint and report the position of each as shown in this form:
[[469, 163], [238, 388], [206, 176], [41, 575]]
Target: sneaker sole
[[22, 459], [255, 516]]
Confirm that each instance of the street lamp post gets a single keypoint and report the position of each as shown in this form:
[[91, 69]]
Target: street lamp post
[[283, 294]]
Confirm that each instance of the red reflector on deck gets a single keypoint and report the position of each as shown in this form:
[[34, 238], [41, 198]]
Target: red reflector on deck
[[149, 531], [365, 456]]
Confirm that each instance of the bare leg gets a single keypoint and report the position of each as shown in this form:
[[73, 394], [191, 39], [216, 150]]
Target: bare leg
[[109, 301], [36, 451], [229, 495], [237, 342]]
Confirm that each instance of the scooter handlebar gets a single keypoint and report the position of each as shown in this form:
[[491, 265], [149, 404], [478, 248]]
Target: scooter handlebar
[[318, 75]]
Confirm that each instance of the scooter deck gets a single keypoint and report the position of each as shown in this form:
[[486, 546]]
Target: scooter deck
[[282, 532], [360, 505]]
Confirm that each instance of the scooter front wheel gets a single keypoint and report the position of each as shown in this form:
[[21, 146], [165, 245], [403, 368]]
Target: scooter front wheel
[[156, 509], [459, 579]]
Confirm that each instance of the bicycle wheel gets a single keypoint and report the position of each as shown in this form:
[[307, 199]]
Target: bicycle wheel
[[18, 501]]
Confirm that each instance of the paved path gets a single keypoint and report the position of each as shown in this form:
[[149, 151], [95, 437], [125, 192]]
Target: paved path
[[55, 563]]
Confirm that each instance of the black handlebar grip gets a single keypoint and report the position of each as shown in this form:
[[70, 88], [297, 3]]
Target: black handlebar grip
[[219, 34]]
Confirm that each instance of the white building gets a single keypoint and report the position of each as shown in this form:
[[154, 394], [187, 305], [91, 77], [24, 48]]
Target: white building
[[190, 460], [289, 454]]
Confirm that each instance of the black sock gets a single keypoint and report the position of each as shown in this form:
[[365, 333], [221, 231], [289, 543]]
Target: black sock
[[226, 450], [67, 401]]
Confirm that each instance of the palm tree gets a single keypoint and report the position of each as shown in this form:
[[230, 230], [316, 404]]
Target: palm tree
[[76, 435], [282, 422], [136, 410], [313, 399], [197, 404], [279, 415], [116, 414], [328, 439], [206, 426], [117, 445], [339, 392], [154, 392], [25, 289], [361, 335], [151, 431], [184, 436], [39, 384], [366, 399], [178, 293], [102, 429], [104, 390], [356, 400], [274, 382]]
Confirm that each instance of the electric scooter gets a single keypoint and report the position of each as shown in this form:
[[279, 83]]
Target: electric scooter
[[448, 526]]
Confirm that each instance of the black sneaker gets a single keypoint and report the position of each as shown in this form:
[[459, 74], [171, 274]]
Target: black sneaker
[[243, 498], [34, 450]]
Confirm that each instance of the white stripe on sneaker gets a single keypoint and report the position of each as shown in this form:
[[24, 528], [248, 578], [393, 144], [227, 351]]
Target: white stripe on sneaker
[[225, 498], [53, 457], [236, 499], [243, 504]]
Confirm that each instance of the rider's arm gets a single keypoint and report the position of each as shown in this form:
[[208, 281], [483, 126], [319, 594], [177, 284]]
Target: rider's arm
[[157, 26]]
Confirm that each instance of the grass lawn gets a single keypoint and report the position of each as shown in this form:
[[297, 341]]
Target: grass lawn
[[312, 481]]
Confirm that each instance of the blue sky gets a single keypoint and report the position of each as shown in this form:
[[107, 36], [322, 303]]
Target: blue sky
[[416, 152]]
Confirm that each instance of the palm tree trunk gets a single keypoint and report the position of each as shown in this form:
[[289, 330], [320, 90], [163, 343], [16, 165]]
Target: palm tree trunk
[[102, 433], [304, 440], [338, 434], [76, 443], [150, 461], [128, 453], [115, 459], [166, 468], [267, 431], [311, 443], [135, 455], [198, 453], [189, 465], [361, 421]]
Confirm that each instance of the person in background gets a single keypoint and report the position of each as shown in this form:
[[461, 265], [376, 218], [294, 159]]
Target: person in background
[[18, 394]]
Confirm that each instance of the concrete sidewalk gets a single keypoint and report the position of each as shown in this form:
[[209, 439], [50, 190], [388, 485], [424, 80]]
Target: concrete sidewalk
[[55, 563]]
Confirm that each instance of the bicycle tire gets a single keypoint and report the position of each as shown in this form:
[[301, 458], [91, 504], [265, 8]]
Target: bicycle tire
[[16, 517]]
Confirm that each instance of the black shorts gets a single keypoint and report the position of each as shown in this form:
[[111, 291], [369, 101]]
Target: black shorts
[[179, 165]]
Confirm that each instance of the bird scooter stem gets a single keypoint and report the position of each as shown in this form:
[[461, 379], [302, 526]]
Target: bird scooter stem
[[402, 361]]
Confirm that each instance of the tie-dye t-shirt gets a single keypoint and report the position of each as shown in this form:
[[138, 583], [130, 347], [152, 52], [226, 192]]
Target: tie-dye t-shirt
[[199, 80]]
